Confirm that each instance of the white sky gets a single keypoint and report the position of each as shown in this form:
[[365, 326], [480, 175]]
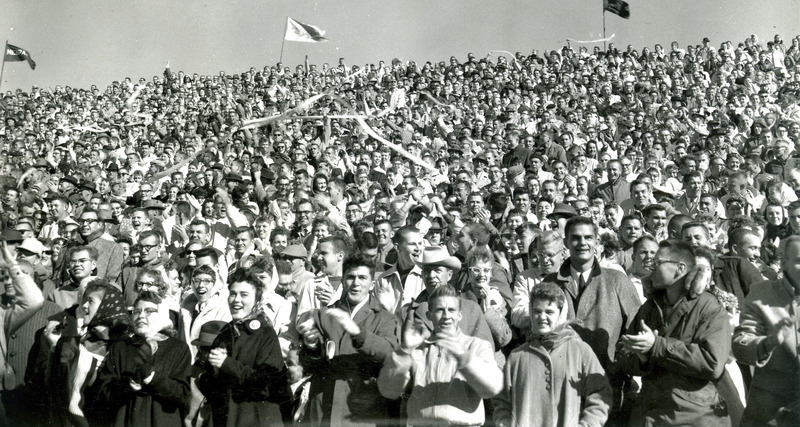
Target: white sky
[[83, 42]]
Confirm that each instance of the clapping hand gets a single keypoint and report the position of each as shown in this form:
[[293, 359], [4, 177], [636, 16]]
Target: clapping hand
[[641, 343], [217, 357], [344, 320], [384, 291], [308, 330], [136, 386], [451, 345], [414, 333]]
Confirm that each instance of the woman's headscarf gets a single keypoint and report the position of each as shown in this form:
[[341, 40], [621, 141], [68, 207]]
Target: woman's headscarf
[[111, 315], [111, 310]]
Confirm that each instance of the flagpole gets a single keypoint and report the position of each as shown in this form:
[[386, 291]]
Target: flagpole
[[604, 26], [3, 67], [285, 28]]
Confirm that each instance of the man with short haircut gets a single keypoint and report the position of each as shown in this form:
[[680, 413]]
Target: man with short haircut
[[206, 303], [679, 345], [589, 286], [402, 282], [616, 189], [655, 221], [325, 288], [387, 254], [551, 253], [109, 262], [448, 375], [151, 250], [81, 263], [696, 234], [641, 197], [58, 210], [244, 251], [344, 346], [689, 202]]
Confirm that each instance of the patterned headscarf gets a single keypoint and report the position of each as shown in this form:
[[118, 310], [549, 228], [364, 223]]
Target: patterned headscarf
[[111, 310]]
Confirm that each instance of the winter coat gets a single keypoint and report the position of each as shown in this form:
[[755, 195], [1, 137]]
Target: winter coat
[[344, 388], [600, 328], [689, 354], [735, 274], [776, 381], [247, 389], [158, 403], [560, 383]]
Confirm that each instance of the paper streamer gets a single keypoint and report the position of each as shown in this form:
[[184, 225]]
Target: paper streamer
[[250, 124], [371, 132], [593, 41]]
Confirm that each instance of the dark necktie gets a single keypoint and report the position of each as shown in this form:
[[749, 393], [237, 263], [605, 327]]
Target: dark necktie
[[581, 283]]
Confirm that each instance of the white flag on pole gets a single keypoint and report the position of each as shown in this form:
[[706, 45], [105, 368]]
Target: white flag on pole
[[297, 31]]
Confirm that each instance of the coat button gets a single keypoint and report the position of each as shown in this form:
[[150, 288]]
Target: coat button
[[547, 387], [12, 354], [547, 379], [13, 336], [547, 372]]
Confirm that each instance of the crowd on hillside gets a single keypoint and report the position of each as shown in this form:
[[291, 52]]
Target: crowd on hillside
[[572, 237]]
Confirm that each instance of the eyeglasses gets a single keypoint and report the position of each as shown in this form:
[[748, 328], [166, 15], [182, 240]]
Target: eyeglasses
[[23, 252], [147, 248], [658, 262], [204, 282], [88, 220], [304, 212], [478, 270], [146, 311], [141, 284]]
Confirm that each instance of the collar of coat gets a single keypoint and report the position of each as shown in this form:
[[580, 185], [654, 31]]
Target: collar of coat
[[373, 305], [565, 274]]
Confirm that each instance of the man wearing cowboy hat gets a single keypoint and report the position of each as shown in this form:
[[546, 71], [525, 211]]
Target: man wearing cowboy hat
[[438, 268]]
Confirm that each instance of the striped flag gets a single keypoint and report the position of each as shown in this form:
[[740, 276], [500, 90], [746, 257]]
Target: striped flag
[[14, 54], [297, 31], [617, 7]]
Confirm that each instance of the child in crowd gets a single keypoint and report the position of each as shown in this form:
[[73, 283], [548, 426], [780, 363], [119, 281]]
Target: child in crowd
[[555, 377]]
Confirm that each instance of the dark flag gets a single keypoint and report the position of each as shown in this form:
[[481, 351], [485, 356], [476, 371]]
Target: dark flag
[[14, 53], [617, 7]]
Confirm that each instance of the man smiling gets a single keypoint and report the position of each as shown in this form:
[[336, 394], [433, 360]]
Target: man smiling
[[449, 374], [589, 286]]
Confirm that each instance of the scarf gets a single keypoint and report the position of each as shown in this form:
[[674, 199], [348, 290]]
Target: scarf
[[559, 334]]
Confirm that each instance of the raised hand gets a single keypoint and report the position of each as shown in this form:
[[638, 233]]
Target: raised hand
[[414, 333], [384, 291], [308, 330], [643, 342], [344, 320]]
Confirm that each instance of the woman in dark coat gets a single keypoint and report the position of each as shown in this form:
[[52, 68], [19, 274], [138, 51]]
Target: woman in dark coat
[[77, 341], [245, 377], [145, 378]]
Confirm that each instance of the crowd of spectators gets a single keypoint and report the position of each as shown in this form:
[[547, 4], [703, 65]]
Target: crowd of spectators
[[572, 237]]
